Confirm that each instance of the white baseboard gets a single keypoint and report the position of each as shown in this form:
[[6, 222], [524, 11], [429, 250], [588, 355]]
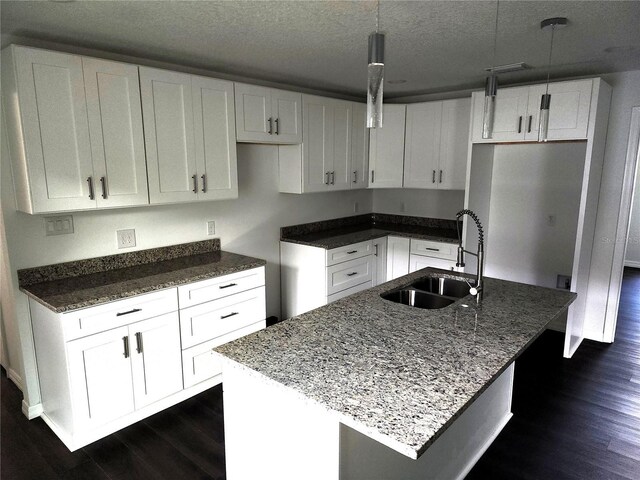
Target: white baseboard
[[31, 411], [15, 378], [631, 263]]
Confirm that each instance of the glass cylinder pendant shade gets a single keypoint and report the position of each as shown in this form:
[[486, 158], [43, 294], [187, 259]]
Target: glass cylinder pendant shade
[[545, 103], [375, 80], [490, 91]]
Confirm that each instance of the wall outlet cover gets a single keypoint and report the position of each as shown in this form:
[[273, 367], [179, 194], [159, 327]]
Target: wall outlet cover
[[126, 238], [211, 227], [58, 225]]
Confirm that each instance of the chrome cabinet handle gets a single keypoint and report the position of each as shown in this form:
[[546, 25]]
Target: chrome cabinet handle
[[270, 125], [372, 175], [227, 316], [103, 184], [352, 274], [204, 183], [432, 249], [125, 340], [333, 178], [134, 310], [195, 183], [326, 178], [139, 342], [376, 252], [227, 286], [91, 194], [277, 126], [440, 176], [530, 122], [520, 124], [355, 176], [433, 177], [352, 252]]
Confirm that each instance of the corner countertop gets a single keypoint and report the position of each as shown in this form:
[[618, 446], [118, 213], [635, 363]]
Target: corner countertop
[[92, 282], [398, 374], [346, 231]]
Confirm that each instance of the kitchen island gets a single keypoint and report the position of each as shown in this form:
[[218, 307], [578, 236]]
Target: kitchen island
[[367, 388]]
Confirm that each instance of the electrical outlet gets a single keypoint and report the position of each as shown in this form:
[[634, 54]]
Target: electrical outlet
[[564, 282], [58, 225], [551, 220], [211, 227], [126, 238]]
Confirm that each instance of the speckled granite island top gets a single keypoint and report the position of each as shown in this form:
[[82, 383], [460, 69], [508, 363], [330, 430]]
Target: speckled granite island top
[[360, 228], [398, 374], [69, 286]]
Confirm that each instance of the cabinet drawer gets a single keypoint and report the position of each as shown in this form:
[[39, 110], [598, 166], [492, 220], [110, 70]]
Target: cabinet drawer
[[349, 252], [210, 320], [122, 312], [417, 262], [429, 248], [218, 287], [349, 291], [348, 274], [200, 363]]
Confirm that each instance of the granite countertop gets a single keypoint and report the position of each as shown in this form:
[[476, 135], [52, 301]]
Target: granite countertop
[[346, 231], [399, 374], [139, 273]]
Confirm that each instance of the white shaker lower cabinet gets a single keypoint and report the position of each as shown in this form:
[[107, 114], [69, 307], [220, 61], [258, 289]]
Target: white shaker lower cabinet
[[105, 367], [397, 257], [311, 277], [427, 253], [379, 261]]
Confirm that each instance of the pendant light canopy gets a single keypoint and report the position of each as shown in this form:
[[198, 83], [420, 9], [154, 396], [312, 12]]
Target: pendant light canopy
[[491, 87], [545, 102], [375, 76]]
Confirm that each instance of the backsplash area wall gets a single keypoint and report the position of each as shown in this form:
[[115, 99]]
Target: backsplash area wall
[[249, 225], [420, 203]]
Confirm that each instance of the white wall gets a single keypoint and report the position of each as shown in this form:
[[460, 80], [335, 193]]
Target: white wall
[[632, 257], [420, 203], [600, 304], [531, 183]]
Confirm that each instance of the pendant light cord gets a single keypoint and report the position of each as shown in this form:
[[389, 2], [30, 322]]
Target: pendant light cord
[[495, 38], [378, 17], [553, 29]]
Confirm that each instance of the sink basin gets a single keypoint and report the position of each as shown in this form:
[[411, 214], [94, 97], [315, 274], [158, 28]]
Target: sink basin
[[443, 286], [416, 298]]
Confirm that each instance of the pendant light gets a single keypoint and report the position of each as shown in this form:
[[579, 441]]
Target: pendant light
[[491, 87], [545, 102], [375, 76]]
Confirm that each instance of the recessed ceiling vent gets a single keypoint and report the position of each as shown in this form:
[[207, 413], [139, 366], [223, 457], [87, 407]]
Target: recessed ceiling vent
[[511, 67]]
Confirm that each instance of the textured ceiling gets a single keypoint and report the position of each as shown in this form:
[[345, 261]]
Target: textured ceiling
[[434, 45]]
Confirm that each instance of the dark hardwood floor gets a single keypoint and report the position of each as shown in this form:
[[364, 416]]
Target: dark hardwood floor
[[573, 419]]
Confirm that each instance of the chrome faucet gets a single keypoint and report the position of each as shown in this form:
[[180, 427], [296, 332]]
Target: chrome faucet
[[479, 288]]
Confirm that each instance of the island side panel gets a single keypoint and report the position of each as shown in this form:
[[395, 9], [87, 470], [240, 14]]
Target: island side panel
[[451, 456], [272, 433]]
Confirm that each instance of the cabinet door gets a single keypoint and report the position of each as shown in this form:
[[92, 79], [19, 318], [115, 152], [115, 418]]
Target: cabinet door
[[156, 358], [454, 144], [117, 142], [509, 121], [422, 145], [341, 176], [100, 376], [253, 111], [215, 138], [379, 261], [168, 130], [359, 146], [50, 91], [286, 108], [317, 143], [397, 257], [569, 109], [386, 149]]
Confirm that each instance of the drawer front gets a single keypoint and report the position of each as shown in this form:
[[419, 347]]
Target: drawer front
[[349, 291], [428, 248], [110, 315], [210, 320], [200, 363], [417, 262], [349, 252], [349, 274], [219, 287]]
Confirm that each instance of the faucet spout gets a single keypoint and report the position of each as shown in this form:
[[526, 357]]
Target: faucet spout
[[478, 290]]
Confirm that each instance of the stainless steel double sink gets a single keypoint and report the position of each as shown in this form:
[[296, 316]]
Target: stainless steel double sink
[[429, 292]]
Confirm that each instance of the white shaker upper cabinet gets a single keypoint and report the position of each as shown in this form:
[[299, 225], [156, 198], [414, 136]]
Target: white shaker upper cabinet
[[117, 140], [44, 101], [266, 115], [215, 138], [386, 149], [169, 135], [422, 145], [454, 144]]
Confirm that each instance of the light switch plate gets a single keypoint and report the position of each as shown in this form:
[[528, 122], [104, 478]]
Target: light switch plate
[[211, 227], [58, 225], [126, 238]]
